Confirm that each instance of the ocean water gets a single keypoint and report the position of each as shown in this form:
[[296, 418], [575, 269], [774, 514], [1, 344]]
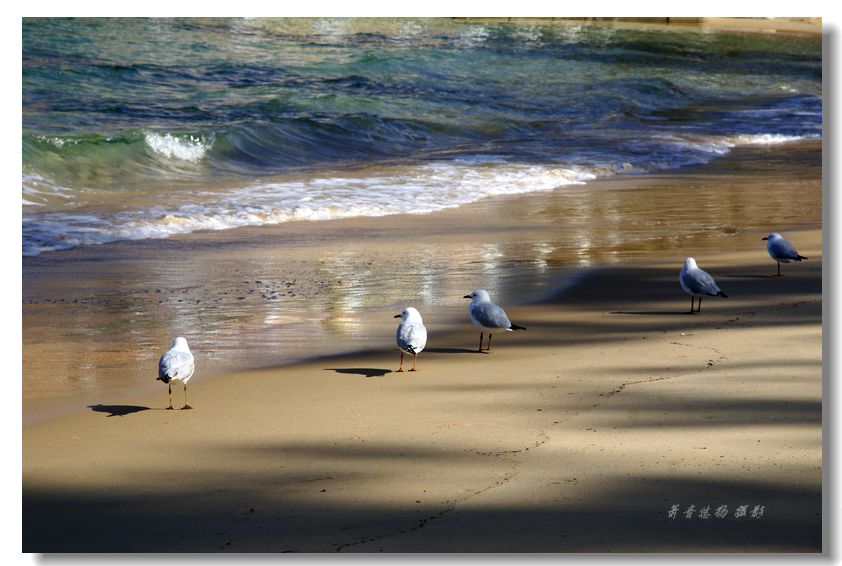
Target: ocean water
[[146, 128]]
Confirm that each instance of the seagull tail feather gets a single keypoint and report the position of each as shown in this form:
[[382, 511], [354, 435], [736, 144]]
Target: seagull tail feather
[[721, 294], [516, 327], [800, 257]]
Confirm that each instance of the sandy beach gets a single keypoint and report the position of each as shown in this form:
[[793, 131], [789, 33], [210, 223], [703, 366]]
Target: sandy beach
[[577, 435]]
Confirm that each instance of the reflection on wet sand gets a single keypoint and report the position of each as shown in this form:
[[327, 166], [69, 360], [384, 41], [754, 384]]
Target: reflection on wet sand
[[95, 320]]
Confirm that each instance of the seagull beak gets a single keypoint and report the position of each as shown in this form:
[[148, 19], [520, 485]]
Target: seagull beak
[[396, 316], [466, 297], [764, 238]]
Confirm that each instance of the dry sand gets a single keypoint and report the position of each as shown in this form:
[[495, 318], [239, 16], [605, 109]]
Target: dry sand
[[577, 435]]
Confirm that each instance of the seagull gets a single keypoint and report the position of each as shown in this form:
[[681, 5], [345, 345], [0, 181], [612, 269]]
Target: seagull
[[411, 335], [781, 250], [177, 365], [487, 315], [697, 282]]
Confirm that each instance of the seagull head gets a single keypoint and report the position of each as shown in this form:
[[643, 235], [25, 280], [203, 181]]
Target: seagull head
[[180, 343], [772, 236], [690, 263], [478, 295], [409, 313]]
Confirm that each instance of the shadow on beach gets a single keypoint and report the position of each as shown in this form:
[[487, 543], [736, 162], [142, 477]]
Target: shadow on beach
[[367, 372], [655, 313], [297, 514], [452, 351], [118, 410]]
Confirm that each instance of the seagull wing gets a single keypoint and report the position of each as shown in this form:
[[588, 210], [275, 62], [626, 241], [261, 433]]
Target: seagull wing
[[176, 365], [782, 249], [490, 315], [700, 281], [411, 337]]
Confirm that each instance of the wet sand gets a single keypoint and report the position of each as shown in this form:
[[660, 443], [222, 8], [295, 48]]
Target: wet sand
[[576, 435]]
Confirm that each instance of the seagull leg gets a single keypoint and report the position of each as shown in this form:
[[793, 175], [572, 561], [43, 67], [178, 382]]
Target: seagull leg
[[186, 405], [489, 343], [699, 308], [169, 386], [480, 342], [401, 368], [779, 269], [413, 363]]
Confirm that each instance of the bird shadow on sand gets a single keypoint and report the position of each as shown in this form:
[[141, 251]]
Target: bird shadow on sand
[[368, 372], [657, 313], [749, 276], [451, 350], [118, 410]]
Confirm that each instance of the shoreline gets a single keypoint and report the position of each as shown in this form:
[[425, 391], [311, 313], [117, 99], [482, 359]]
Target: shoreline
[[352, 276], [790, 25]]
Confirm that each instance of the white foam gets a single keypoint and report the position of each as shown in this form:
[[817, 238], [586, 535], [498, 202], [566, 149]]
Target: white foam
[[768, 139], [186, 148], [473, 35], [58, 142], [38, 190], [720, 145], [416, 190]]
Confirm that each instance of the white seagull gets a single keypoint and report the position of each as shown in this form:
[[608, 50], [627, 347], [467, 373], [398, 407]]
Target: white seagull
[[177, 365], [488, 316], [411, 335], [781, 250], [697, 283]]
